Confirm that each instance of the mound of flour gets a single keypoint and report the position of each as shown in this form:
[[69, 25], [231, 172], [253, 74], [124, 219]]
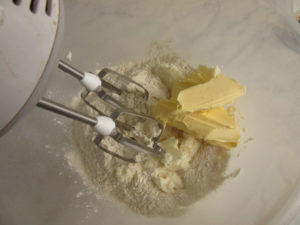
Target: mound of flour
[[137, 184]]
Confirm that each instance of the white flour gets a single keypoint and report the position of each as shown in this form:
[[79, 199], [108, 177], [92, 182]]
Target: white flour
[[135, 184]]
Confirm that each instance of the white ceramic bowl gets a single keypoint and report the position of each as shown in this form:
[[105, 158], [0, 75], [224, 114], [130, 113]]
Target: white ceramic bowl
[[252, 41]]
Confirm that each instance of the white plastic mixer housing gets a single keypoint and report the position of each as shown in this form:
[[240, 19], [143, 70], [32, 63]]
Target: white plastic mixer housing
[[30, 33]]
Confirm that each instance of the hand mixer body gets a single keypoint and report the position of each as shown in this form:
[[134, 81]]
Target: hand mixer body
[[30, 35]]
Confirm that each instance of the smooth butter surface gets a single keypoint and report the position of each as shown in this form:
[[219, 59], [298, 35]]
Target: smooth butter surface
[[216, 92]]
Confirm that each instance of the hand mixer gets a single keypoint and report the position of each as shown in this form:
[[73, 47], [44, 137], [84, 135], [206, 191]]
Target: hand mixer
[[30, 33]]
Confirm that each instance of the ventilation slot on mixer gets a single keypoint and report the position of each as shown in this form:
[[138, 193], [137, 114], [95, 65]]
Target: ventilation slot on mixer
[[17, 2], [34, 5], [48, 7]]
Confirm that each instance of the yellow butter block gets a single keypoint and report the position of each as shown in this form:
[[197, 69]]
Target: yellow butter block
[[199, 76], [220, 116], [203, 125], [222, 134], [196, 107], [214, 124], [217, 92], [164, 109], [179, 86], [226, 145]]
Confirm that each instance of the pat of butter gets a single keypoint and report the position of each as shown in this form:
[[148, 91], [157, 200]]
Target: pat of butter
[[201, 75], [164, 109], [218, 135], [217, 92], [214, 124], [218, 126], [226, 145], [196, 107], [216, 117]]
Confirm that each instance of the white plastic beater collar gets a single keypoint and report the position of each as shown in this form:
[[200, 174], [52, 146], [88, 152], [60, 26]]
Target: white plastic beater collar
[[91, 81], [105, 125]]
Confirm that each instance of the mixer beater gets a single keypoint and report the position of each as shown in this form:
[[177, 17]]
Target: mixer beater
[[107, 125]]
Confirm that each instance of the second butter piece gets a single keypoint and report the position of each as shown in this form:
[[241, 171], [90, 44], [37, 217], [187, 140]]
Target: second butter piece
[[217, 92]]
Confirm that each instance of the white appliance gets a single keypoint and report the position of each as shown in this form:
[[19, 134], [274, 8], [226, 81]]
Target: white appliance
[[30, 36]]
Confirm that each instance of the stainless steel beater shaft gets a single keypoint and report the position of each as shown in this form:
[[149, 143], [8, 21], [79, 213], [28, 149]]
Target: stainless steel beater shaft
[[65, 111], [70, 70]]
